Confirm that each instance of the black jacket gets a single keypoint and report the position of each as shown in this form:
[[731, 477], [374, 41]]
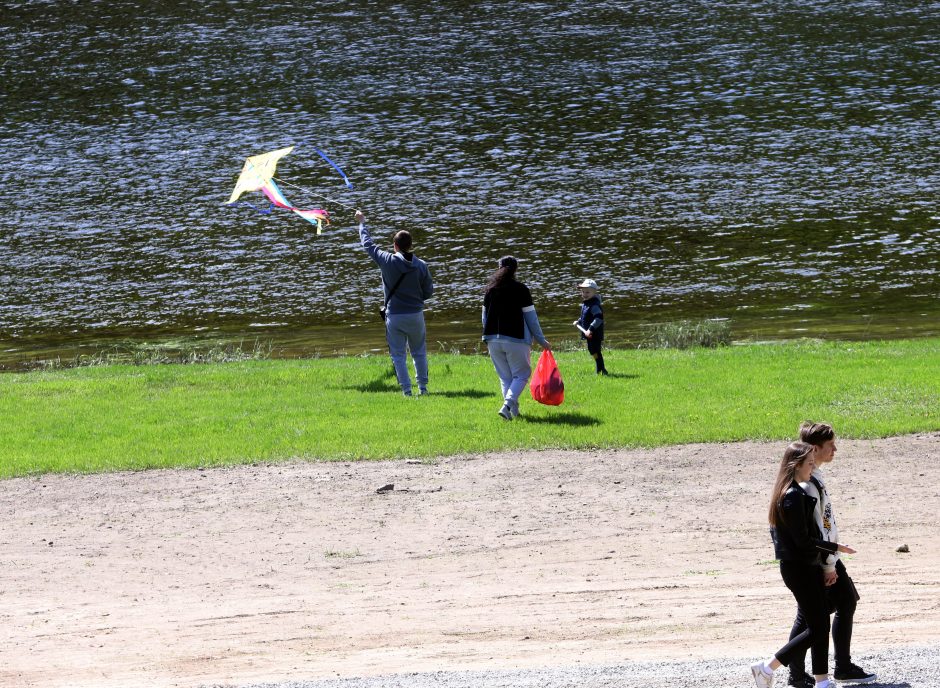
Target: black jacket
[[592, 317], [796, 536], [503, 308]]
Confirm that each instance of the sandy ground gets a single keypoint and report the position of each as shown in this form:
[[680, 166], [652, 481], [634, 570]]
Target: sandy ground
[[302, 571]]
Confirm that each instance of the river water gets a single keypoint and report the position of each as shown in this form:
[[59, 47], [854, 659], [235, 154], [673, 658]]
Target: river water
[[771, 163]]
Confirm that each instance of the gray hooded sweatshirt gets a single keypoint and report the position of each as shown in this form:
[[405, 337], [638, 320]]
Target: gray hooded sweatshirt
[[414, 289]]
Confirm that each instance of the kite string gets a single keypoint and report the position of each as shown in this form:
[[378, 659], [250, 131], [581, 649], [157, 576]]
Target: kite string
[[315, 195]]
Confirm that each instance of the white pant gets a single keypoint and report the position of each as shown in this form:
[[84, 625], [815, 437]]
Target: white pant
[[513, 365]]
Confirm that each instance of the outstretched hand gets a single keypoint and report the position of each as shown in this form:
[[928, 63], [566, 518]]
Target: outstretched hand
[[360, 218], [845, 549]]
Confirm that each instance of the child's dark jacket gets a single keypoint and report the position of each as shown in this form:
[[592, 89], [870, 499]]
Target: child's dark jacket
[[592, 317]]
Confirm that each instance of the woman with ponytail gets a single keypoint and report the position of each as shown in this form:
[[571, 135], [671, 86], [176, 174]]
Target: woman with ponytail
[[509, 325]]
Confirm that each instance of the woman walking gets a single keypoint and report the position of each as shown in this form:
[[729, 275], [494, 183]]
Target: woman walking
[[799, 546], [509, 325]]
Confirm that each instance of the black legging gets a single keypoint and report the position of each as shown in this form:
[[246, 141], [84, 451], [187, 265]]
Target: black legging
[[843, 597], [806, 583]]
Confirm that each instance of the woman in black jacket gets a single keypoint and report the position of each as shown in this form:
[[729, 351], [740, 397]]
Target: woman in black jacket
[[509, 326], [798, 545]]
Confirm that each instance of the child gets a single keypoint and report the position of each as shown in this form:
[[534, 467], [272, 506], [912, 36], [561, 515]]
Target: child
[[591, 322]]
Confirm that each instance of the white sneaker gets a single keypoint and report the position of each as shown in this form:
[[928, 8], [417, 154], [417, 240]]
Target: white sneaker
[[760, 678]]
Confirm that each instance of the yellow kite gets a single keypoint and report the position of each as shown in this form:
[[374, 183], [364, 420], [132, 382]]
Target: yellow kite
[[258, 175]]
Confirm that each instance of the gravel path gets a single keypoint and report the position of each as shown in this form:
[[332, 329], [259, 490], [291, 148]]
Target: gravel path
[[898, 667]]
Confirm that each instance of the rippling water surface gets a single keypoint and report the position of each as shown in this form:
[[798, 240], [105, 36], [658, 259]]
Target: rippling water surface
[[773, 163]]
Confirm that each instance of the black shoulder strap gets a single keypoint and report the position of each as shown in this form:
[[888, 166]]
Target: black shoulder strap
[[389, 297]]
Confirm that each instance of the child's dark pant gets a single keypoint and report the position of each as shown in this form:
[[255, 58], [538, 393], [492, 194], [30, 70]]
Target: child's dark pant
[[594, 348]]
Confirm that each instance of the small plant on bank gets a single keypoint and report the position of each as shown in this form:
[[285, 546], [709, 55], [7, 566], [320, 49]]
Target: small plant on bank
[[458, 348], [686, 334], [569, 345], [162, 354]]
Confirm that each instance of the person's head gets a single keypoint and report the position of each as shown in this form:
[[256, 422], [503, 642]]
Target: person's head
[[504, 272], [796, 465], [402, 241], [588, 289], [509, 265], [821, 436]]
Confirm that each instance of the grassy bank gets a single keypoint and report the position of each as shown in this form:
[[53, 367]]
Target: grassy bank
[[133, 417]]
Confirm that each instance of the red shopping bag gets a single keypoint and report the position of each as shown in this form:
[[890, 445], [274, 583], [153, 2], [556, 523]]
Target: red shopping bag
[[546, 385]]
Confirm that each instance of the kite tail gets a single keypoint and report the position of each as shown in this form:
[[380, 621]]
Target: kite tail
[[336, 167], [271, 190], [316, 216], [263, 211]]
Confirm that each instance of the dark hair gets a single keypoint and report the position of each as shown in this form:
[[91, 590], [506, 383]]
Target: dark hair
[[816, 434], [505, 272], [796, 455], [403, 240]]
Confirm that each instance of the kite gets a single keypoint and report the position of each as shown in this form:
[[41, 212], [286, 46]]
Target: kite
[[258, 175]]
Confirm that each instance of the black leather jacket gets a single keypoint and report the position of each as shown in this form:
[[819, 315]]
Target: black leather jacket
[[796, 536]]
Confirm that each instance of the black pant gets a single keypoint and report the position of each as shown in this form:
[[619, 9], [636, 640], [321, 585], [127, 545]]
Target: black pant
[[842, 598], [806, 583], [594, 348]]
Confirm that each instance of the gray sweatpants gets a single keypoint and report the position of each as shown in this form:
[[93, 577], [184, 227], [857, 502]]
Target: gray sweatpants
[[513, 365], [406, 330]]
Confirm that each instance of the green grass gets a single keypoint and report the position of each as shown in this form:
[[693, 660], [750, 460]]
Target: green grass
[[135, 417]]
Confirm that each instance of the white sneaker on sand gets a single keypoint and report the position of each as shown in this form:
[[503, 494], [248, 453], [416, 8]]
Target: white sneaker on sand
[[760, 678]]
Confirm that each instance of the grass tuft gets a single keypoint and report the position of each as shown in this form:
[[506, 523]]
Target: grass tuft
[[686, 334], [179, 353]]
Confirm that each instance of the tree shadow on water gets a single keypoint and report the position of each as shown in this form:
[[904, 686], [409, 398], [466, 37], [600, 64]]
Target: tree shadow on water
[[562, 419]]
